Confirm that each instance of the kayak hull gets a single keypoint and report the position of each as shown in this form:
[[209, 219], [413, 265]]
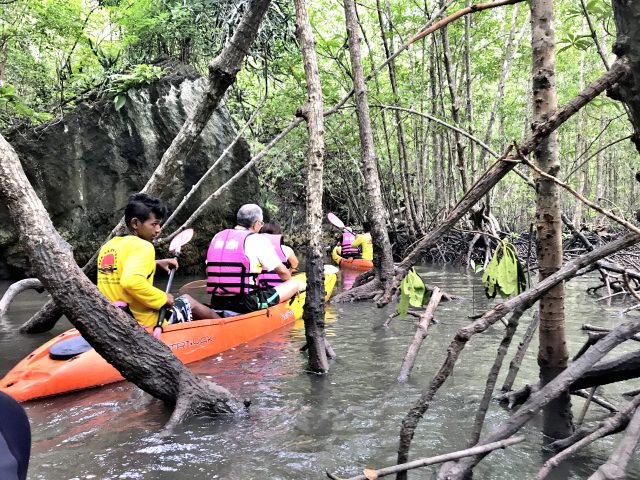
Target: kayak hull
[[351, 263], [37, 375]]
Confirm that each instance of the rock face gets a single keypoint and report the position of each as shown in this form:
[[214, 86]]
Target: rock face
[[85, 165]]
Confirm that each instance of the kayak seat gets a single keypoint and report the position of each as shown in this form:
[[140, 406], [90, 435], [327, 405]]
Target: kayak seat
[[69, 348], [227, 313]]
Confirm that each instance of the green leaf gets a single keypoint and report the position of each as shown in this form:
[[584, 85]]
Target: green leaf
[[119, 101], [412, 292], [504, 273]]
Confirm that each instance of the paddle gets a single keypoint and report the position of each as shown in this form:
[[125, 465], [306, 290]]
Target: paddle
[[336, 222], [175, 246]]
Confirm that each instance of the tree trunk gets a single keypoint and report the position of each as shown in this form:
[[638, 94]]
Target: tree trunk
[[436, 140], [312, 112], [383, 260], [455, 110], [117, 337], [513, 43], [410, 214], [468, 81], [583, 172], [552, 353], [627, 17], [222, 74]]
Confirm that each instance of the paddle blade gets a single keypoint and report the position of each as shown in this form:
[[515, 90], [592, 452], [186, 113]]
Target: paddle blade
[[330, 269], [181, 239], [335, 221]]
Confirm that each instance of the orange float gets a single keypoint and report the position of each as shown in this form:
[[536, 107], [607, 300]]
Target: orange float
[[38, 375]]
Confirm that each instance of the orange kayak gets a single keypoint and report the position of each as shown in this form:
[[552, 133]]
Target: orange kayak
[[39, 375], [351, 263]]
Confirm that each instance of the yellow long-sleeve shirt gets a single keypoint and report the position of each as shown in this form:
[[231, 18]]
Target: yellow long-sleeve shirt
[[126, 267], [364, 242]]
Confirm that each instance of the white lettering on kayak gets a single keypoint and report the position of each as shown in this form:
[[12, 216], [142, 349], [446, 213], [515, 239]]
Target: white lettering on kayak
[[286, 315], [190, 343]]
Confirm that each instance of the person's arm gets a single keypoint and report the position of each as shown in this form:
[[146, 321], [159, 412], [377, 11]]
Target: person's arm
[[293, 260], [291, 257], [269, 259], [283, 272], [164, 263], [134, 279], [358, 242]]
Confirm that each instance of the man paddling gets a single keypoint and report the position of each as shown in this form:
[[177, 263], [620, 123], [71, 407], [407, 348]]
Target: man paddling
[[236, 257], [127, 265]]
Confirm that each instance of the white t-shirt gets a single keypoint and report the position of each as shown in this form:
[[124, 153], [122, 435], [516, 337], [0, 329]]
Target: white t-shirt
[[287, 251], [262, 256]]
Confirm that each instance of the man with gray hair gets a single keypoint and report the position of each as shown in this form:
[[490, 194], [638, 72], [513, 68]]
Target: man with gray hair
[[235, 259]]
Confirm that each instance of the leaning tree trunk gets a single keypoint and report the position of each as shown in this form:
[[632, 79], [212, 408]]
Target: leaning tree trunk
[[312, 112], [117, 337], [383, 261], [627, 18], [552, 353], [222, 74]]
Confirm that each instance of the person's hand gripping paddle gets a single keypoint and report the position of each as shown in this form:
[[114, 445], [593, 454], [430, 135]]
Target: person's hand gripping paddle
[[176, 245]]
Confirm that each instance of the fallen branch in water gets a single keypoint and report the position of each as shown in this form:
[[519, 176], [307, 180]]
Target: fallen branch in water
[[421, 334], [609, 426], [370, 474], [516, 304]]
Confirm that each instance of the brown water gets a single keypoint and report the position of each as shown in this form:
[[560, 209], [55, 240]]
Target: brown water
[[301, 424]]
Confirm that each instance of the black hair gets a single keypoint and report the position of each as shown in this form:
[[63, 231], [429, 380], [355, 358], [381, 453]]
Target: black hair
[[366, 226], [141, 206], [271, 228]]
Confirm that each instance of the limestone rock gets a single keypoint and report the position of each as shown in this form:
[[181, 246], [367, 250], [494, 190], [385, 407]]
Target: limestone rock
[[85, 165]]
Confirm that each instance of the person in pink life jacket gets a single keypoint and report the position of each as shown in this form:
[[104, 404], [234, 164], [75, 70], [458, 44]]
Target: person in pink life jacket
[[345, 249], [286, 254], [235, 259]]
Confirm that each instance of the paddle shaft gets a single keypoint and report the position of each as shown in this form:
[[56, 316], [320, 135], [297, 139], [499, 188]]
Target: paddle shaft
[[163, 310]]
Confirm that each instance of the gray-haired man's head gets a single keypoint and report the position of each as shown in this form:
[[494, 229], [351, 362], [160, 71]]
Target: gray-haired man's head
[[248, 215]]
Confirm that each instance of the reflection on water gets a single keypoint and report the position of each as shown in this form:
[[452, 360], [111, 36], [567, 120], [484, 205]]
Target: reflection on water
[[347, 277], [300, 424]]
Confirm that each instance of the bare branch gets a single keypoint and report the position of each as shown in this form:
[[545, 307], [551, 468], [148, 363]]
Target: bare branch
[[423, 462]]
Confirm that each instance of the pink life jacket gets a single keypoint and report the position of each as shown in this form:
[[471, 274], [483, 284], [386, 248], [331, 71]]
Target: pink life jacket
[[228, 267], [271, 278], [347, 239]]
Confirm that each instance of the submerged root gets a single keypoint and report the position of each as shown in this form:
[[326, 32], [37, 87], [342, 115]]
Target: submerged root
[[200, 397], [367, 291]]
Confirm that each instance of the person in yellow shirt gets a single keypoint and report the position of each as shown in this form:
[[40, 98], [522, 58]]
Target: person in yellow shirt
[[127, 265], [364, 242]]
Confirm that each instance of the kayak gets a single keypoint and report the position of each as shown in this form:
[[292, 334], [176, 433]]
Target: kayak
[[43, 373], [352, 263]]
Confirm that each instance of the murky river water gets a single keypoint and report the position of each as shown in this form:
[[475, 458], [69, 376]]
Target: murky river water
[[301, 424]]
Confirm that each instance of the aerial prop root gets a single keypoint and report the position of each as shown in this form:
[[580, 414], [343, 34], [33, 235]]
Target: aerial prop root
[[367, 291], [199, 397], [15, 289]]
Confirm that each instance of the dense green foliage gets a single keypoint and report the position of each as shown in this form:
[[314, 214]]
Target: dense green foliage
[[55, 53]]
